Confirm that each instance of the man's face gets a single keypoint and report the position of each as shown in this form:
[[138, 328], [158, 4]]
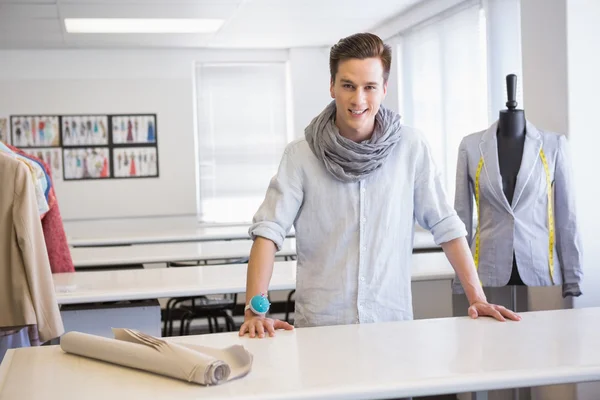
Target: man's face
[[358, 91]]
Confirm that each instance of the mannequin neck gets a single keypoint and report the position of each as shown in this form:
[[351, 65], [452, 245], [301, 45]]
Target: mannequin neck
[[511, 124]]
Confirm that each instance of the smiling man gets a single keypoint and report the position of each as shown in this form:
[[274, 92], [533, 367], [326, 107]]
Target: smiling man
[[353, 187]]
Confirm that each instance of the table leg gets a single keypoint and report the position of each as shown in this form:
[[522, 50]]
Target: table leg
[[479, 396]]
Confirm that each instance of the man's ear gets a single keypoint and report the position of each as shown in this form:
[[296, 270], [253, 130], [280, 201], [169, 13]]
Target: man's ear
[[385, 88], [331, 91]]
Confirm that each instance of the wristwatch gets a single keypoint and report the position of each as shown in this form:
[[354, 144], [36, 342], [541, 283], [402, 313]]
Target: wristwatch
[[258, 304]]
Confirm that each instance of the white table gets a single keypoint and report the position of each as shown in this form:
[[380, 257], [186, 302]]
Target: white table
[[94, 300], [137, 284], [89, 257], [376, 361], [129, 231]]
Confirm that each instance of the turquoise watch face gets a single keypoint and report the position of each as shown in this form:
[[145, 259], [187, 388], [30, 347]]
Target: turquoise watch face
[[259, 304]]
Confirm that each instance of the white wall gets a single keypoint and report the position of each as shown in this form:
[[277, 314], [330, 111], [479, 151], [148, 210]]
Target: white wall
[[545, 63], [309, 69], [561, 59], [584, 86], [504, 52], [119, 81]]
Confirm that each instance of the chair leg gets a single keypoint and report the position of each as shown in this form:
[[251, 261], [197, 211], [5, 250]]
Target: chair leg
[[182, 323], [210, 325], [175, 302], [230, 323], [288, 306], [188, 325], [168, 308], [216, 319]]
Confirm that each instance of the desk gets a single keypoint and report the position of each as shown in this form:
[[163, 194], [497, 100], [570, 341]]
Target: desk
[[138, 284], [79, 292], [375, 361], [89, 257], [128, 231]]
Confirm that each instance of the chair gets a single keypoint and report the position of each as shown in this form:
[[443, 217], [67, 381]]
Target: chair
[[211, 307]]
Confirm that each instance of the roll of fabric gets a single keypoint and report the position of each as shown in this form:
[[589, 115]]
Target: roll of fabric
[[134, 349]]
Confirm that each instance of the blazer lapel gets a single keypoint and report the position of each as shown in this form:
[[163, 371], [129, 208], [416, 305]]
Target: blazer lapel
[[531, 153], [489, 151]]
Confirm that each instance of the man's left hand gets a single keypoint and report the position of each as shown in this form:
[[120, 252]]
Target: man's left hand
[[485, 309]]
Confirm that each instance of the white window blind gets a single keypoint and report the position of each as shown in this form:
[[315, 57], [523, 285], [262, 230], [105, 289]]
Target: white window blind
[[242, 132], [443, 82]]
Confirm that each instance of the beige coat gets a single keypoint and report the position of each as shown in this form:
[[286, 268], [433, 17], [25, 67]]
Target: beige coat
[[26, 287]]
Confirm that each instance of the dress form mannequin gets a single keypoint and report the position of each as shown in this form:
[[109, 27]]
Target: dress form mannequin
[[511, 141]]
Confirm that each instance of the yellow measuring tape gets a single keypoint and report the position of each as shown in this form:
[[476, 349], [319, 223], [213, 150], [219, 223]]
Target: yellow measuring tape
[[550, 215]]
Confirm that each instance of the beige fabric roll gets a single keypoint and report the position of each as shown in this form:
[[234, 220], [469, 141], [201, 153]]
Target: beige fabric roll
[[191, 363]]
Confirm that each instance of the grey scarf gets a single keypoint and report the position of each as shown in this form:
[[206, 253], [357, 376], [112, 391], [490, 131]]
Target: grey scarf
[[346, 160]]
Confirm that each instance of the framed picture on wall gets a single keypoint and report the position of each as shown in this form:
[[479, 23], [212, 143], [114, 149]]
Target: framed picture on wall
[[86, 163], [84, 130], [135, 162], [134, 129], [52, 156], [4, 136], [35, 130]]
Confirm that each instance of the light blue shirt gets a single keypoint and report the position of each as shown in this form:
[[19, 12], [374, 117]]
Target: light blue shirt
[[354, 240]]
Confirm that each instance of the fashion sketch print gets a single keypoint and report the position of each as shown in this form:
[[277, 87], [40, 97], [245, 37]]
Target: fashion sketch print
[[4, 136], [131, 162], [35, 131], [86, 163], [52, 157], [85, 130], [134, 129]]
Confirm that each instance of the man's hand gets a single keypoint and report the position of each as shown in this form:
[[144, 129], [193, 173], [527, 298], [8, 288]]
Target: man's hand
[[257, 325], [485, 309]]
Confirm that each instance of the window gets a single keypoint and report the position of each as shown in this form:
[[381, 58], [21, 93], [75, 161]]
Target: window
[[443, 82], [242, 132]]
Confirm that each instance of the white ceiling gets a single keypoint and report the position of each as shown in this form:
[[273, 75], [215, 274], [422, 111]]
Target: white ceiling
[[249, 23]]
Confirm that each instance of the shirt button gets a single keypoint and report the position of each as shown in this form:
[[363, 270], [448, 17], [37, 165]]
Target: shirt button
[[363, 190], [364, 220], [362, 278]]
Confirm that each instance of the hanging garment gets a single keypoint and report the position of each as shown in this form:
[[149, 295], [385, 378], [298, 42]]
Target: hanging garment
[[543, 236], [37, 174], [27, 295], [52, 224]]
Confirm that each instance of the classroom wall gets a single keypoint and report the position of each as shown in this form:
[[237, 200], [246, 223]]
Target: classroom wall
[[584, 84], [309, 71], [120, 81], [561, 57]]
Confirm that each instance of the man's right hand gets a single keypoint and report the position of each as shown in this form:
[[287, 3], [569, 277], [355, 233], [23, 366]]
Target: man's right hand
[[257, 325]]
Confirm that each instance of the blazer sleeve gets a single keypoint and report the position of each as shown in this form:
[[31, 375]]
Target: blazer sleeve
[[35, 258], [281, 205], [463, 196], [568, 241]]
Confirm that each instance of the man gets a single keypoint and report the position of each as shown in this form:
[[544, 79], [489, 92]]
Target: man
[[353, 188]]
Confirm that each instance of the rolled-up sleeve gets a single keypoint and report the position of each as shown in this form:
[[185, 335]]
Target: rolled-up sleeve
[[431, 205], [283, 200]]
